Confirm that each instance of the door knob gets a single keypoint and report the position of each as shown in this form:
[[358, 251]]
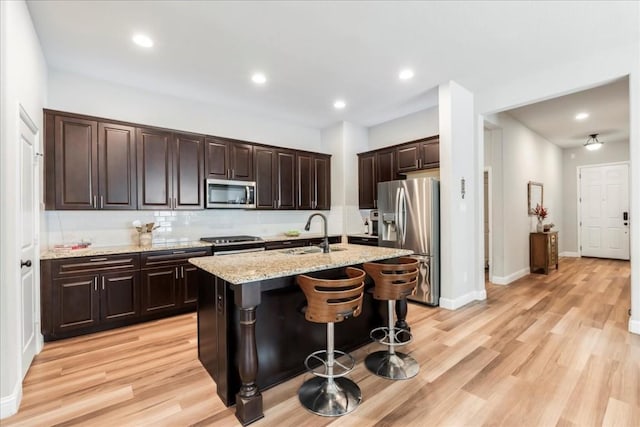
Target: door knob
[[26, 263]]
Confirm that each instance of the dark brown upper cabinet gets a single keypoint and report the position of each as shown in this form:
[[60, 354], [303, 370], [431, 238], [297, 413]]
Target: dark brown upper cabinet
[[314, 181], [170, 170], [374, 167], [420, 154], [229, 159], [93, 164], [275, 178], [117, 166]]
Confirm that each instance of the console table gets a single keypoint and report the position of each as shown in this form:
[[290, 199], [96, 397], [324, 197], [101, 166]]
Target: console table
[[543, 251]]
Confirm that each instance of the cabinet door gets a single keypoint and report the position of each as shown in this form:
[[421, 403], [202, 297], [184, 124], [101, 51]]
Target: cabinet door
[[322, 182], [385, 166], [189, 279], [304, 166], [116, 167], [408, 157], [430, 154], [119, 295], [241, 161], [76, 159], [217, 158], [188, 171], [367, 183], [159, 289], [154, 169], [75, 303], [285, 187], [266, 180]]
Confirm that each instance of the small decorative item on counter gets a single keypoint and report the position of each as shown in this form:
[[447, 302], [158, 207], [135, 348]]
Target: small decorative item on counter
[[366, 226], [541, 212], [145, 235], [547, 227], [292, 233], [68, 247]]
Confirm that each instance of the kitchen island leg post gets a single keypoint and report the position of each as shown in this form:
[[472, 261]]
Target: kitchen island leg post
[[248, 399]]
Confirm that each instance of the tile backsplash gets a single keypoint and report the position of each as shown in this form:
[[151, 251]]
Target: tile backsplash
[[109, 228]]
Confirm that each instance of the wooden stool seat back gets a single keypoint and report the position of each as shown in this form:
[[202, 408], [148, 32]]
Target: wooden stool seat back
[[393, 281], [333, 300]]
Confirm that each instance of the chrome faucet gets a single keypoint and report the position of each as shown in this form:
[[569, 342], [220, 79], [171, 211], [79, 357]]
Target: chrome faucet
[[325, 242]]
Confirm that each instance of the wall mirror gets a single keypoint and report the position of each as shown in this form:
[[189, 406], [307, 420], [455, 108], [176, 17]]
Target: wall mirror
[[535, 191]]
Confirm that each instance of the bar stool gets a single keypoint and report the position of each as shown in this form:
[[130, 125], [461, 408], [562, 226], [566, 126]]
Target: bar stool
[[393, 281], [329, 301]]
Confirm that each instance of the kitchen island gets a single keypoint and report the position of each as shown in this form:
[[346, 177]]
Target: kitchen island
[[252, 333]]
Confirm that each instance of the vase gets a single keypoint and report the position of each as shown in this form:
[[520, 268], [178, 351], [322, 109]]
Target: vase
[[539, 226], [145, 239]]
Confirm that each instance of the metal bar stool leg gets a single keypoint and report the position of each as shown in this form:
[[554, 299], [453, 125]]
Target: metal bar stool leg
[[330, 396], [390, 363]]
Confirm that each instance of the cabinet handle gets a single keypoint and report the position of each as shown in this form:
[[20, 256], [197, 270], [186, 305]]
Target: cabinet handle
[[417, 162], [95, 283], [103, 283], [375, 203], [95, 201], [178, 252], [182, 272], [101, 202], [279, 204], [233, 173], [97, 259], [176, 272], [420, 163]]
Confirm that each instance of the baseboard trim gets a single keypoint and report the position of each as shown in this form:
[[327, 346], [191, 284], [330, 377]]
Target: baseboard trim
[[454, 304], [570, 254], [505, 280], [10, 404], [634, 326]]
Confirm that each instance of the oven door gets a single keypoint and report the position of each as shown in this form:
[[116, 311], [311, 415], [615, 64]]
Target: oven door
[[228, 194]]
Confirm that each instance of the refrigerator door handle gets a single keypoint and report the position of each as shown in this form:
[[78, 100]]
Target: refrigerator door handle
[[403, 205], [398, 219]]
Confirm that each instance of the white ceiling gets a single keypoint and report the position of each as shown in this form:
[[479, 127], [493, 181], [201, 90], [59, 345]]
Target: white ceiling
[[607, 106], [315, 52]]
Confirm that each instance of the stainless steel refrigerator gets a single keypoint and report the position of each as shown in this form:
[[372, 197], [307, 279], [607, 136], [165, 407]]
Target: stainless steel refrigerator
[[410, 219]]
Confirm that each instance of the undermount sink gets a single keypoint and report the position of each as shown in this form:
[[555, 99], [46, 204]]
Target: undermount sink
[[309, 250]]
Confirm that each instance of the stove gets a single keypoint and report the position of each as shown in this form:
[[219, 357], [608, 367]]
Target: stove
[[227, 245]]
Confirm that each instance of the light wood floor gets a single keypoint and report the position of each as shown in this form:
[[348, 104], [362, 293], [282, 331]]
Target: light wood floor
[[544, 351]]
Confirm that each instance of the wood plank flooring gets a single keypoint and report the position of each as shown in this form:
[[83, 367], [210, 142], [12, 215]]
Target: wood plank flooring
[[544, 351]]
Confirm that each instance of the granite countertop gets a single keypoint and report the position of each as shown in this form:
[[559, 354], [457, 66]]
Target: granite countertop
[[254, 266], [125, 249], [279, 237]]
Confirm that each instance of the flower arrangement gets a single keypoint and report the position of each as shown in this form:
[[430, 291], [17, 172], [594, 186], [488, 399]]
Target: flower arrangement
[[541, 212]]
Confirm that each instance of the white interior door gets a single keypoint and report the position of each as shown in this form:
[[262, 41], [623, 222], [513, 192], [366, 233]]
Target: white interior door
[[604, 207], [27, 233]]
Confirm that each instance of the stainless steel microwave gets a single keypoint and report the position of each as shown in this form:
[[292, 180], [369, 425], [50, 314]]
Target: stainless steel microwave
[[229, 194]]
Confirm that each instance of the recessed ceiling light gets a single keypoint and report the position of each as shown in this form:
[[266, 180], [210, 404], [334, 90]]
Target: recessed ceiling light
[[405, 74], [259, 78], [339, 104], [582, 116], [142, 40]]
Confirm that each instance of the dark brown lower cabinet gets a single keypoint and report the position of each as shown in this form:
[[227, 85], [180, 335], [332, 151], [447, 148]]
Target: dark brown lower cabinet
[[159, 289], [88, 294]]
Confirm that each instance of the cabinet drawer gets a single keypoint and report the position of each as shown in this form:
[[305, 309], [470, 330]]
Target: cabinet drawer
[[164, 258], [75, 266]]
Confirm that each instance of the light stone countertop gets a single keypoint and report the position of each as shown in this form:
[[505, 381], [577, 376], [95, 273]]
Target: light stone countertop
[[279, 237], [114, 250], [255, 266]]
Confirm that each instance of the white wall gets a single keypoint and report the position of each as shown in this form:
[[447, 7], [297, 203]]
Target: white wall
[[403, 129], [84, 95], [526, 156], [458, 212], [24, 82], [572, 158]]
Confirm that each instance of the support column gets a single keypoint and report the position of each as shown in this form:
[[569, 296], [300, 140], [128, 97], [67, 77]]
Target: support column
[[248, 399]]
